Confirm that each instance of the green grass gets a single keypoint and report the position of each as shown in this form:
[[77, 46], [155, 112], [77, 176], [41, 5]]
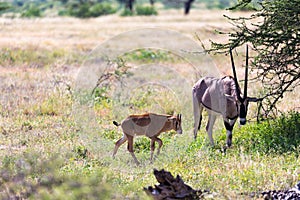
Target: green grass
[[56, 162], [150, 55], [36, 57], [278, 136]]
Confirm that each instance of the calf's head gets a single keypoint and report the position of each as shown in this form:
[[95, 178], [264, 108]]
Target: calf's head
[[176, 123]]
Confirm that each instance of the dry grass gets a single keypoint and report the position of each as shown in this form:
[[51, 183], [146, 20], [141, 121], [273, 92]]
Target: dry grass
[[72, 33], [81, 36]]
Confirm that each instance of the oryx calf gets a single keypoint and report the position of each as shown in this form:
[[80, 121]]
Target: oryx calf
[[221, 96], [150, 125]]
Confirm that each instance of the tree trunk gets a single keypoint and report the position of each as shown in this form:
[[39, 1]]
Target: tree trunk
[[129, 5], [187, 6]]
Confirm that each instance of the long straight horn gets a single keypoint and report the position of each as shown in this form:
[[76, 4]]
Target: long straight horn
[[234, 75], [246, 74], [179, 116]]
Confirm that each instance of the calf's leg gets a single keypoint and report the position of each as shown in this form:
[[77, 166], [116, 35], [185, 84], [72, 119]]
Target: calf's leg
[[119, 143], [152, 148], [130, 149], [160, 143]]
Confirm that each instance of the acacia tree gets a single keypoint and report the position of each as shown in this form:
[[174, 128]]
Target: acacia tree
[[276, 41]]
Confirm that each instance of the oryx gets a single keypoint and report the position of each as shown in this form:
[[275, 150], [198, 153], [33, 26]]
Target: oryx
[[150, 125], [221, 96]]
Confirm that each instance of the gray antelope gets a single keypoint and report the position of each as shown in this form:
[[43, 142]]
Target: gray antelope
[[150, 125], [221, 96]]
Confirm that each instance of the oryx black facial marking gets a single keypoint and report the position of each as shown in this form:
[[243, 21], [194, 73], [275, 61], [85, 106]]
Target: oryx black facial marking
[[243, 112]]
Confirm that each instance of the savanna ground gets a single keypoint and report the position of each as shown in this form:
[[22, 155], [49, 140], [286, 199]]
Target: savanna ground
[[49, 150]]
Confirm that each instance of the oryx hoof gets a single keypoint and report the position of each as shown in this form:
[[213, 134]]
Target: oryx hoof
[[228, 144], [223, 150]]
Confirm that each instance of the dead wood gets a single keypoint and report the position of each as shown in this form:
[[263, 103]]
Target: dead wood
[[170, 188]]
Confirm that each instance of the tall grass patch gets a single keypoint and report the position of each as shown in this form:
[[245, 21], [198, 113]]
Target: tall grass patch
[[278, 136], [146, 10], [32, 11], [150, 55], [31, 177], [34, 57]]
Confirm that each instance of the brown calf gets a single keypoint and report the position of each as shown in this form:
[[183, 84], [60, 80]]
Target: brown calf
[[150, 125]]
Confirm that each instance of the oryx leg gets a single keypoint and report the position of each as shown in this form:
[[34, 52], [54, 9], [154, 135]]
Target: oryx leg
[[209, 127], [229, 124], [130, 148], [198, 108], [119, 143], [160, 143]]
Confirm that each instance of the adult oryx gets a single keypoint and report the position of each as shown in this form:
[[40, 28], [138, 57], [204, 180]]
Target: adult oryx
[[221, 96]]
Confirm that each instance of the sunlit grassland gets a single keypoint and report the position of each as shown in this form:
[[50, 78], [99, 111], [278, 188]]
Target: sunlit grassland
[[46, 153]]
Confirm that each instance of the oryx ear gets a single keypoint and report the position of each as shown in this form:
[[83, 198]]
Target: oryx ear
[[254, 99], [229, 97]]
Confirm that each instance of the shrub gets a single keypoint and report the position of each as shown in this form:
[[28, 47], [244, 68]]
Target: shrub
[[101, 9], [87, 10], [4, 6], [100, 95], [80, 11], [32, 178], [32, 11], [281, 135], [126, 12], [145, 10]]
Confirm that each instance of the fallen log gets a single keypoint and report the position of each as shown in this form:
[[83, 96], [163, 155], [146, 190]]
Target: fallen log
[[171, 188]]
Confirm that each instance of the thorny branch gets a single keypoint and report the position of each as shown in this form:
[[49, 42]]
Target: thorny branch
[[274, 34], [115, 71]]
